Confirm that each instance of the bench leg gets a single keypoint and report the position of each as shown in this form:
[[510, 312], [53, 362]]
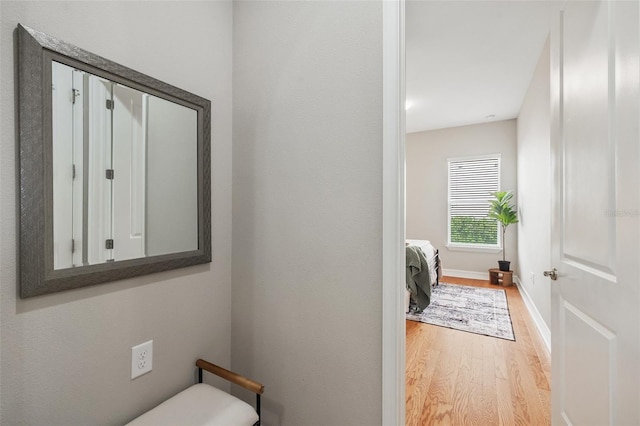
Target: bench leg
[[258, 406]]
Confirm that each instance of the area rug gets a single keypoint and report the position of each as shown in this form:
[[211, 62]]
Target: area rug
[[473, 309]]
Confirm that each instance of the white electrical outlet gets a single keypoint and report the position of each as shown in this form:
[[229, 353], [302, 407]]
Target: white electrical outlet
[[141, 359]]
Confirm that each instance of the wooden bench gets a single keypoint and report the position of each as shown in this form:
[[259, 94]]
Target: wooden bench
[[204, 405]]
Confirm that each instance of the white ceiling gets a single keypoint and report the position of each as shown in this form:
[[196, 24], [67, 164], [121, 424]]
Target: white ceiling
[[466, 60]]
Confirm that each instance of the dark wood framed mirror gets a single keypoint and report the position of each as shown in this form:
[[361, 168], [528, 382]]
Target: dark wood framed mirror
[[115, 178]]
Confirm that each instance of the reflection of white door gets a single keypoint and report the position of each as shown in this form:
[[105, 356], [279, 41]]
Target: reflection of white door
[[129, 172], [67, 128], [98, 160], [595, 318], [78, 167]]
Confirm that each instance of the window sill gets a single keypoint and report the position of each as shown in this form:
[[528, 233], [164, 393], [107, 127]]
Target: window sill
[[473, 248]]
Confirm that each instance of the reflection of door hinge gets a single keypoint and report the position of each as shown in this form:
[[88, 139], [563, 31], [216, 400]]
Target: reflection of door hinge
[[73, 245], [108, 244], [73, 171], [109, 104], [110, 174], [74, 94]]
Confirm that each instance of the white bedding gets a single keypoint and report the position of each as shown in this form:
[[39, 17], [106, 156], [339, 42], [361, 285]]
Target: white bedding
[[430, 253]]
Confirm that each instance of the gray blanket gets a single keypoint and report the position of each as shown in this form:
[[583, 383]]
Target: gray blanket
[[418, 280]]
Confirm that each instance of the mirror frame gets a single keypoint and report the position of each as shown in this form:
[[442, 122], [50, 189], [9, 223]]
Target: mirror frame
[[36, 51]]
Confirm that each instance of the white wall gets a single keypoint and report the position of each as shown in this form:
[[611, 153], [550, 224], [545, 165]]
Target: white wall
[[534, 188], [427, 154], [307, 204], [65, 358], [172, 196]]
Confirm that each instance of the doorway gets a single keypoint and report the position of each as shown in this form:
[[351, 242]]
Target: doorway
[[626, 243]]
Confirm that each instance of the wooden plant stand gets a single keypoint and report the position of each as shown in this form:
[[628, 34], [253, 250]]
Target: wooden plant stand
[[504, 278]]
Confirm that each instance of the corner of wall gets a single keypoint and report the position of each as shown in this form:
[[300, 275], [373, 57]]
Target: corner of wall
[[541, 326]]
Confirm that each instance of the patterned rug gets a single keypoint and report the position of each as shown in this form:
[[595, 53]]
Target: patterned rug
[[473, 309]]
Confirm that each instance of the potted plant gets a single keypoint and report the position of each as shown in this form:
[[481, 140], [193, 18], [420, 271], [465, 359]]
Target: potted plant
[[505, 213]]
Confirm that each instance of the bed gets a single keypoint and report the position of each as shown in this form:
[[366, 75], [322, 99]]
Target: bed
[[420, 280]]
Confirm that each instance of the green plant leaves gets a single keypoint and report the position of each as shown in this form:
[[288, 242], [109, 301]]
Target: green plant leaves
[[502, 210]]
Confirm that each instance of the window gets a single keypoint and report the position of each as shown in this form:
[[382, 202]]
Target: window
[[472, 180]]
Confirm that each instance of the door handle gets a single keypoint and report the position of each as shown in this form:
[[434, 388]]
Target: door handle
[[553, 274]]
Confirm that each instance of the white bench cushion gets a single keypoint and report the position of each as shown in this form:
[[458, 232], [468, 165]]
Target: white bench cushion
[[199, 405]]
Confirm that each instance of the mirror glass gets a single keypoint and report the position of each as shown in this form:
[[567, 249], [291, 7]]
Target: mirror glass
[[115, 169], [124, 171]]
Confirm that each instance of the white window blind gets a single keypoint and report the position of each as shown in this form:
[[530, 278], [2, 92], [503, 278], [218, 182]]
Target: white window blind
[[472, 180]]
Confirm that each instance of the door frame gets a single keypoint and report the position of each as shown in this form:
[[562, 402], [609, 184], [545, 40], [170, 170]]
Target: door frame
[[393, 212]]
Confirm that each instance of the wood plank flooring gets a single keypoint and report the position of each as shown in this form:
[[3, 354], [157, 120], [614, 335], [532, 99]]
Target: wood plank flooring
[[459, 378]]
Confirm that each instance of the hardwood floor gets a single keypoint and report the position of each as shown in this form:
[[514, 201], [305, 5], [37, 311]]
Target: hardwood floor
[[459, 378]]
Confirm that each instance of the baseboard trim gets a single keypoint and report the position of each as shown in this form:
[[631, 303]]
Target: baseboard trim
[[544, 331], [472, 275]]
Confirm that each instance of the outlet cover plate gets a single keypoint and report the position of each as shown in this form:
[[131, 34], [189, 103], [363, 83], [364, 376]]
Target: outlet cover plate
[[141, 359]]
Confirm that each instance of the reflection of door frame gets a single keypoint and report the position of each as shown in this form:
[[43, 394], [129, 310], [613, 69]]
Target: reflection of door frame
[[62, 165], [393, 214]]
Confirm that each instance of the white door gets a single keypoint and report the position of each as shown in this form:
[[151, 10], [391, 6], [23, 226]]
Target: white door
[[595, 322]]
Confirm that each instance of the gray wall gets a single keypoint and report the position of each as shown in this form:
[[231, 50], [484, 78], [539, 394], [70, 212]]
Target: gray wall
[[534, 188], [307, 203], [65, 358], [427, 154]]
